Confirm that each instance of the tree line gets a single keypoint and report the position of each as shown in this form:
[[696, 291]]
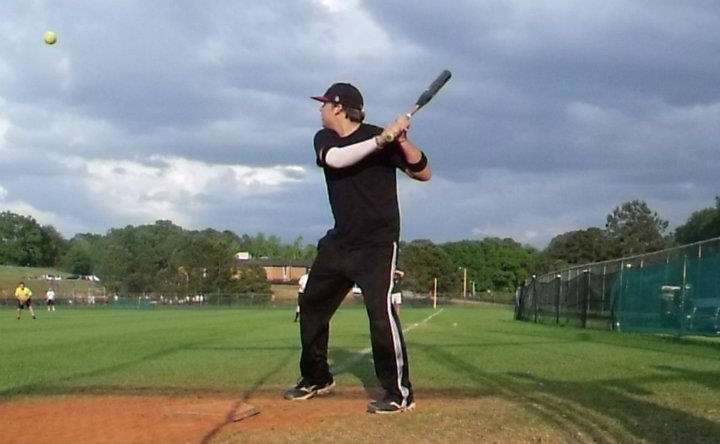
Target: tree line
[[163, 257]]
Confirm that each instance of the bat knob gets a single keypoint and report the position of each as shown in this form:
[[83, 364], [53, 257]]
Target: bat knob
[[388, 137]]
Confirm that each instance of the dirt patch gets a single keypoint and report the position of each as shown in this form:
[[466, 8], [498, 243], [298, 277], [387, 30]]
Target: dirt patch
[[117, 419], [339, 418]]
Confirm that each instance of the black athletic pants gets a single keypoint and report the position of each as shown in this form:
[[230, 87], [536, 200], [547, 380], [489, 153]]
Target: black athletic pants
[[332, 275]]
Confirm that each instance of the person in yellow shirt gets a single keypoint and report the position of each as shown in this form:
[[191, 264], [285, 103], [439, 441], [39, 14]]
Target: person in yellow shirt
[[24, 299]]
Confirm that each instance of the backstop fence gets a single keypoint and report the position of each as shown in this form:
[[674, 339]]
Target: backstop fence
[[674, 291]]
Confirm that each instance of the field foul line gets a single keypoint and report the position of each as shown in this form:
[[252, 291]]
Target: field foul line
[[362, 353]]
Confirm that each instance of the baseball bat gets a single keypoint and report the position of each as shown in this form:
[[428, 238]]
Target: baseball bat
[[424, 98]]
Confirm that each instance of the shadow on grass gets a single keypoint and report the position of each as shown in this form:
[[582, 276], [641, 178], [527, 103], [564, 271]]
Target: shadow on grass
[[358, 364], [711, 380], [616, 410], [55, 385]]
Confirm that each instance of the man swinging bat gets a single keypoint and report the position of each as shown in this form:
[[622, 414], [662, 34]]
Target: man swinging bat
[[359, 162]]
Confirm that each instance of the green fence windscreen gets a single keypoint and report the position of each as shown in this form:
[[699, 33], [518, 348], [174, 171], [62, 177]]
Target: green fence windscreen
[[674, 291]]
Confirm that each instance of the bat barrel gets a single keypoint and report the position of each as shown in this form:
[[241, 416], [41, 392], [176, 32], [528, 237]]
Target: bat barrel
[[425, 97], [435, 86]]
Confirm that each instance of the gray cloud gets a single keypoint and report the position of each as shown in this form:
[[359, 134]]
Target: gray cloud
[[557, 111]]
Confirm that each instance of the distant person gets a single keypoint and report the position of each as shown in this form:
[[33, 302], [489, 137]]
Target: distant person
[[24, 299], [50, 299], [302, 282], [356, 291], [396, 295]]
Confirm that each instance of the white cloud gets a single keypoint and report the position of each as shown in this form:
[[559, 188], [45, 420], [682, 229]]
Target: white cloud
[[352, 33], [4, 127], [175, 188]]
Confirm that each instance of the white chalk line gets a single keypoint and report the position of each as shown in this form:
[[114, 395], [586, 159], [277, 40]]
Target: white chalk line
[[341, 367]]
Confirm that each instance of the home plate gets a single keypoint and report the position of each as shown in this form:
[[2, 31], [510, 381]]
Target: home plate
[[225, 411], [243, 411]]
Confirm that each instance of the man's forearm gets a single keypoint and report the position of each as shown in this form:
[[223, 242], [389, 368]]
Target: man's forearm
[[350, 154], [418, 167]]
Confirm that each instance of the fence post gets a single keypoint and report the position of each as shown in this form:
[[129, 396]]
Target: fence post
[[586, 308], [614, 303], [535, 299], [557, 299], [602, 291], [683, 294]]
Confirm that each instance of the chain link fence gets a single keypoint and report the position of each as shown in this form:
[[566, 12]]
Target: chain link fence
[[155, 300], [674, 291]]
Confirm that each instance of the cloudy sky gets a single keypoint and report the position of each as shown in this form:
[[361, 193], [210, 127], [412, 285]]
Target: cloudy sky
[[199, 112]]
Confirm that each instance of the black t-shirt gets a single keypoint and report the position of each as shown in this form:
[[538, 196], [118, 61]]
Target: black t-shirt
[[363, 197], [397, 284]]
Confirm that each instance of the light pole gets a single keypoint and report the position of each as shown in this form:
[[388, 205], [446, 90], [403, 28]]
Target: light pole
[[464, 269]]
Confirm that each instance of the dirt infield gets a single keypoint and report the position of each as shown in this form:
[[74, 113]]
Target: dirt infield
[[339, 418]]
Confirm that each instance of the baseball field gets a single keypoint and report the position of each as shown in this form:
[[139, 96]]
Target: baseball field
[[210, 375]]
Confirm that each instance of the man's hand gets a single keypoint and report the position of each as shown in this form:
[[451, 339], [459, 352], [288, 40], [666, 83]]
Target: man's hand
[[397, 129]]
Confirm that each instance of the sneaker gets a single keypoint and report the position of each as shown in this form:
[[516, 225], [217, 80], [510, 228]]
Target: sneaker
[[303, 391], [388, 407]]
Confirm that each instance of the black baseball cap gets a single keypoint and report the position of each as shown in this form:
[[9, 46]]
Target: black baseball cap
[[344, 94]]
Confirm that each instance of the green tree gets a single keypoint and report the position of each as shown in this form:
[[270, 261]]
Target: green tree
[[165, 259], [137, 259], [209, 261], [262, 246], [423, 261], [578, 247], [702, 224], [78, 257], [298, 249], [55, 245], [23, 242], [250, 278], [493, 263], [634, 229]]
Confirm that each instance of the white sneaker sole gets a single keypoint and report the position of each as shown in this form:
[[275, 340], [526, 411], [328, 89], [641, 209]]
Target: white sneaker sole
[[376, 411], [320, 392]]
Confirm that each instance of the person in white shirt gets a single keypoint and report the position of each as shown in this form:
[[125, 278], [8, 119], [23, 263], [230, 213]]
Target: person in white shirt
[[396, 295], [302, 282], [50, 299]]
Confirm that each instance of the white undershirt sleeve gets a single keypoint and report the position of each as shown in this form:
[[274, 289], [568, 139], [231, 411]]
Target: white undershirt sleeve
[[350, 154]]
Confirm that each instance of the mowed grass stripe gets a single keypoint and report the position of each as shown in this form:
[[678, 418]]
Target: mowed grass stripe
[[467, 353]]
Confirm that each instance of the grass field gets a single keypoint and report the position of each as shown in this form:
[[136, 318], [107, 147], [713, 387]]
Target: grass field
[[497, 378]]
